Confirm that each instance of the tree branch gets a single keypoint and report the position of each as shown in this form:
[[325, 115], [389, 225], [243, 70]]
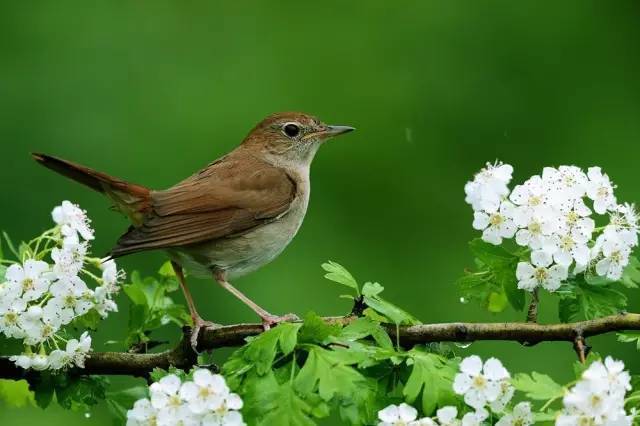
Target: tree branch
[[182, 356]]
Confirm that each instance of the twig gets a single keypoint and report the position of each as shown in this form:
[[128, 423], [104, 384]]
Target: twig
[[532, 312], [123, 363]]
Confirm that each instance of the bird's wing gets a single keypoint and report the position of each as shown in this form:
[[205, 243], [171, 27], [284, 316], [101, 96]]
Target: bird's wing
[[226, 198]]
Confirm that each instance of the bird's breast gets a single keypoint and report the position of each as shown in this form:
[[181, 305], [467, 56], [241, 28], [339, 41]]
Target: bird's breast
[[241, 254]]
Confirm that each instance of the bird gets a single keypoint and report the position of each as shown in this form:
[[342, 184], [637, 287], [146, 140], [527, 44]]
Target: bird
[[228, 219]]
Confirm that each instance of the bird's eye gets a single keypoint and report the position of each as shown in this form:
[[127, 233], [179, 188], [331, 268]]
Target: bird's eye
[[291, 130]]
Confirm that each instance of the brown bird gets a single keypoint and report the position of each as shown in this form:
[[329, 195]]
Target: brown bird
[[230, 218]]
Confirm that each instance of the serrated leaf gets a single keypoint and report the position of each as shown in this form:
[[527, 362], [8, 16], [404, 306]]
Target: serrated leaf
[[432, 375], [537, 386], [262, 350], [631, 273], [316, 330], [339, 274], [363, 327], [371, 289], [287, 408], [330, 374]]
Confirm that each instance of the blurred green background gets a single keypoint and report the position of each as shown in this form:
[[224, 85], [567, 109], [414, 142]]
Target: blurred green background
[[153, 90]]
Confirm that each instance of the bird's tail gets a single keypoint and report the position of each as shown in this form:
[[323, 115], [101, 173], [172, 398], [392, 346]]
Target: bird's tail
[[131, 199]]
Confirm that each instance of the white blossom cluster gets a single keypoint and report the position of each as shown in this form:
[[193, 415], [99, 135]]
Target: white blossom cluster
[[205, 401], [38, 298], [599, 397], [483, 386], [549, 214]]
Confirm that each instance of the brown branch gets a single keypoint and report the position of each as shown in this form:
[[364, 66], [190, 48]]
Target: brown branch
[[117, 363]]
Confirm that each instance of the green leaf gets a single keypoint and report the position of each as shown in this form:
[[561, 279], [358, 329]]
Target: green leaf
[[432, 375], [371, 289], [363, 327], [537, 386], [166, 270], [584, 300], [119, 402], [631, 273], [316, 330], [287, 408], [495, 282], [80, 393], [630, 337], [339, 274], [261, 350], [330, 374], [497, 302], [16, 393], [395, 314]]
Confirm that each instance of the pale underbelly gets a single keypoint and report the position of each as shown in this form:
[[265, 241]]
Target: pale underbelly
[[238, 255]]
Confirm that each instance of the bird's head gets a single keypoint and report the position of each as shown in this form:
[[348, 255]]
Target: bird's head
[[291, 137]]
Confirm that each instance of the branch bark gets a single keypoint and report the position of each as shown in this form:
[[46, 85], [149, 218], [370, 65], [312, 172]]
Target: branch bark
[[182, 356]]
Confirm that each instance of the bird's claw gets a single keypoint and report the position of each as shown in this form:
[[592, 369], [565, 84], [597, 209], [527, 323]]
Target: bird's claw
[[270, 320], [198, 324]]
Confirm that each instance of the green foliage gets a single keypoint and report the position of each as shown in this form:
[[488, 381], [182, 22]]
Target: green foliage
[[382, 309], [339, 274], [432, 375], [537, 386], [119, 402], [494, 284], [76, 393], [151, 307], [582, 300], [15, 393], [630, 337]]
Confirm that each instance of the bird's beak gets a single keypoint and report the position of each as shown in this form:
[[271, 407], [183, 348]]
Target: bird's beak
[[329, 131]]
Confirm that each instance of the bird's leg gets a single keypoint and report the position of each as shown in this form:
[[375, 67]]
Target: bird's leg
[[198, 322], [267, 319]]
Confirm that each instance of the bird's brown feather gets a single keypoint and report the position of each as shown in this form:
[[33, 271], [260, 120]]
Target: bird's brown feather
[[226, 198]]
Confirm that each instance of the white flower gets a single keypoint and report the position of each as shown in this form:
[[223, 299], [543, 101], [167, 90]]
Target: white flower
[[397, 415], [574, 216], [10, 311], [506, 393], [23, 361], [536, 228], [78, 349], [497, 224], [479, 384], [71, 298], [569, 247], [521, 416], [564, 183], [68, 260], [540, 273], [226, 414], [600, 190], [475, 418], [447, 416], [39, 362], [59, 359], [207, 392], [610, 376], [489, 187], [111, 276], [598, 398], [165, 394], [73, 221], [103, 303], [616, 257], [142, 414], [31, 279]]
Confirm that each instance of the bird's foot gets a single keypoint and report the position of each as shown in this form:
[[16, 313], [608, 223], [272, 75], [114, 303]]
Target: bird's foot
[[270, 320], [199, 324]]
